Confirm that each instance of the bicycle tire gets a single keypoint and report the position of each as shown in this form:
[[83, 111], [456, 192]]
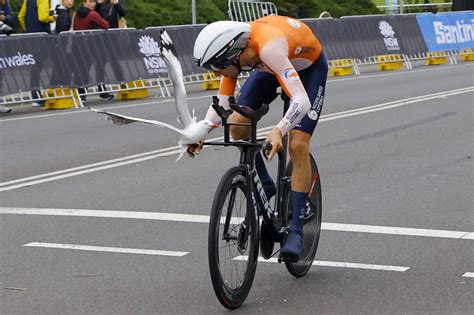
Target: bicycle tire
[[230, 292], [311, 227]]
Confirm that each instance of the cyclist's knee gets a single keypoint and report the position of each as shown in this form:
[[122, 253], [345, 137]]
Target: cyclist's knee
[[239, 132], [299, 146]]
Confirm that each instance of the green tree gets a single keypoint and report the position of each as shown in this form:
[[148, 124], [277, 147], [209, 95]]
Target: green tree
[[143, 13], [295, 8], [337, 8]]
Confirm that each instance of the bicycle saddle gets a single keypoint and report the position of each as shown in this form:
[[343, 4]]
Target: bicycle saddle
[[250, 113]]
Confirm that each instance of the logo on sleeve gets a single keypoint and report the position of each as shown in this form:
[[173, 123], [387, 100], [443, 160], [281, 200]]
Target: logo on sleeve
[[290, 74], [294, 23], [312, 114]]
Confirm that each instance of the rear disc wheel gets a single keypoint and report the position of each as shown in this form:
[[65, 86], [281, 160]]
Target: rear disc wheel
[[312, 223]]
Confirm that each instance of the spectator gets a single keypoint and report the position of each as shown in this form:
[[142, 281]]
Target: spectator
[[63, 22], [6, 14], [35, 17], [111, 11], [7, 20], [87, 18]]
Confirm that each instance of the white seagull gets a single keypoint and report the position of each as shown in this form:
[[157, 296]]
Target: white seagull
[[193, 131]]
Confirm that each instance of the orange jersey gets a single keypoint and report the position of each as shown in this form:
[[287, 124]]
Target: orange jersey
[[302, 46]]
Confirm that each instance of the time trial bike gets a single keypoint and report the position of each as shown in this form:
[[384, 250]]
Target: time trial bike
[[242, 219]]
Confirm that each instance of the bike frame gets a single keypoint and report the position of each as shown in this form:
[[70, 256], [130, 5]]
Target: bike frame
[[254, 188]]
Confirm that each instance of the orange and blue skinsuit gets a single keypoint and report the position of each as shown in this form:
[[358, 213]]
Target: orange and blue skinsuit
[[291, 57]]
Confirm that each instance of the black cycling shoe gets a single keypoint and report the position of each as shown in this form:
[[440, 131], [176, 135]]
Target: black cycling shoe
[[266, 241], [293, 247]]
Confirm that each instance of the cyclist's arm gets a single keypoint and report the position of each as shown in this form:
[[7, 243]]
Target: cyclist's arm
[[275, 56], [226, 89]]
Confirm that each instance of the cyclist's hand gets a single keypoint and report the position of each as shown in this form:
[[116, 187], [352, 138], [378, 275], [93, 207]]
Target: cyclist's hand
[[195, 148], [274, 138]]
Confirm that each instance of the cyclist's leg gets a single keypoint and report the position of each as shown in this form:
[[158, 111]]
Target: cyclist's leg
[[259, 88], [314, 81]]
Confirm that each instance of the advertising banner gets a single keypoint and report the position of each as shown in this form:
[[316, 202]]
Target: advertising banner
[[363, 37], [447, 31], [80, 59], [27, 62]]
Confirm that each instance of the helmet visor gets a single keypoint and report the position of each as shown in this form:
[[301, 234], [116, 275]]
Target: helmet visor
[[221, 63]]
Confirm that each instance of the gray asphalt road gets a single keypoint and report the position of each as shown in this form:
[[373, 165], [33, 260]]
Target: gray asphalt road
[[397, 199]]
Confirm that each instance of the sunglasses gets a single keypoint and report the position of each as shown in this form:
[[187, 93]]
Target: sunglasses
[[240, 68], [224, 62]]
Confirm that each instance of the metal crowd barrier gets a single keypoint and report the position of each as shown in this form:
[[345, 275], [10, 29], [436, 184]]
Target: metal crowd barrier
[[248, 11], [401, 7]]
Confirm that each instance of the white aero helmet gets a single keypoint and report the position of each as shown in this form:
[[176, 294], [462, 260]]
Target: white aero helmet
[[219, 44]]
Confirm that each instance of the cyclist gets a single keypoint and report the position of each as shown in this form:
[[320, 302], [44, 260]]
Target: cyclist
[[284, 52]]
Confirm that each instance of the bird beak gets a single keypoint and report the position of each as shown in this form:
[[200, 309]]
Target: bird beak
[[214, 126]]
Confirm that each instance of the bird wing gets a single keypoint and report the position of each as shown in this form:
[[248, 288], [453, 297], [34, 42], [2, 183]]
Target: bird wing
[[176, 75], [118, 119]]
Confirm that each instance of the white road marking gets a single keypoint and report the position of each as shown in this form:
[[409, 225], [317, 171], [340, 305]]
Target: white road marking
[[160, 216], [135, 156], [338, 264], [395, 230], [99, 166], [90, 170], [469, 236], [468, 275], [108, 249], [194, 218], [170, 100], [393, 104]]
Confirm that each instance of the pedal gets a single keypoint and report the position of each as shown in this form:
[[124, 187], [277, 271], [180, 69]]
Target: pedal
[[290, 259], [287, 259]]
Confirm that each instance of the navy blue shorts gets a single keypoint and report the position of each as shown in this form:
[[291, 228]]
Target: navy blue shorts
[[261, 87]]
